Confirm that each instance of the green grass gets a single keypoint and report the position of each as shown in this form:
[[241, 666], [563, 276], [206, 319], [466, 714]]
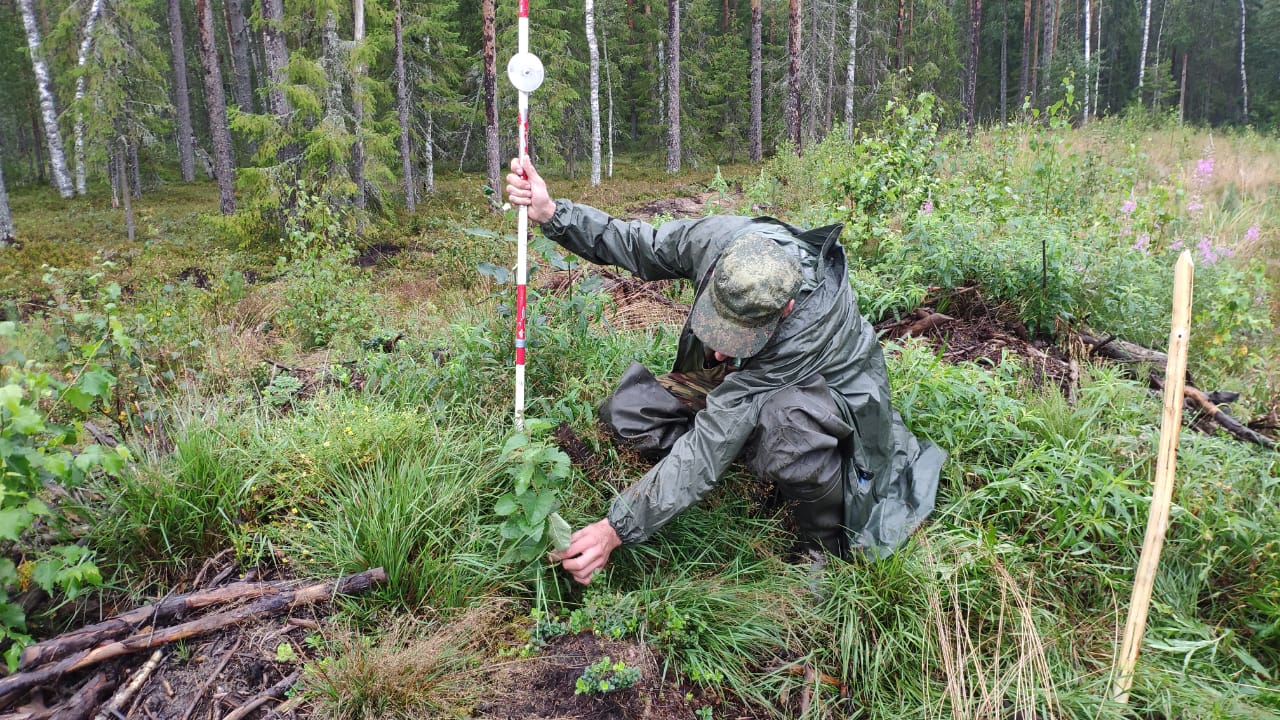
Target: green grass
[[1010, 599]]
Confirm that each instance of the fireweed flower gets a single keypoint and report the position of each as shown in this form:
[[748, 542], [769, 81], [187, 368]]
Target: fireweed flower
[[1177, 246], [927, 207], [1207, 253], [1128, 207], [1251, 235], [1142, 244]]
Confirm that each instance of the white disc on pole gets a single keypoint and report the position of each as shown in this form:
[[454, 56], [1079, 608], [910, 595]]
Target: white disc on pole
[[524, 70]]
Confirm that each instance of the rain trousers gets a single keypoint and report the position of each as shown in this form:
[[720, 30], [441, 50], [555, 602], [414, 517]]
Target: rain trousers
[[890, 478]]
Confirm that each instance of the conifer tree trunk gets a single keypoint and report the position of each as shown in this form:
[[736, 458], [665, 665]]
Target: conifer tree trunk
[[91, 20], [493, 153], [971, 86], [181, 94], [215, 98], [1046, 42], [277, 57], [357, 103], [593, 52], [136, 168], [902, 21], [1182, 91], [6, 217], [1142, 58], [122, 182], [1244, 78], [673, 86], [1023, 88], [793, 74], [238, 30], [48, 111], [402, 108], [756, 141], [428, 138], [850, 81]]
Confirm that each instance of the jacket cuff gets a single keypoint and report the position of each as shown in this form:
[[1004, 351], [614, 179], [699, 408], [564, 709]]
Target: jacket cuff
[[556, 225], [623, 522]]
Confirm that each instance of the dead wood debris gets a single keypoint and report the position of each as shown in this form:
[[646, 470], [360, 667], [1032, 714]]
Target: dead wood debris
[[50, 662]]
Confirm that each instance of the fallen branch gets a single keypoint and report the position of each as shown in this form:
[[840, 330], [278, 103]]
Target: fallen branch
[[125, 694], [268, 606], [80, 706], [275, 692], [1204, 403]]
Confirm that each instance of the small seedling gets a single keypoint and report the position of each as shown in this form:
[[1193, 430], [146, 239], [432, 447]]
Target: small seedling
[[606, 676]]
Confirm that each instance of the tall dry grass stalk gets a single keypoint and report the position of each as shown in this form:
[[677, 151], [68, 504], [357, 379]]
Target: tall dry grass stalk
[[990, 673]]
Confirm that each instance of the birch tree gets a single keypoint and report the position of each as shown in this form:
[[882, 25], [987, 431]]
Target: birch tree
[[1023, 87], [402, 110], [1142, 57], [756, 141], [91, 20], [593, 54], [1244, 78], [181, 93], [1088, 28], [215, 99], [48, 109], [850, 72], [493, 153], [673, 86], [6, 217]]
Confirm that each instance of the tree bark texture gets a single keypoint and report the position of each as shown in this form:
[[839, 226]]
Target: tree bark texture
[[793, 74], [215, 98], [756, 142], [1004, 63], [122, 181], [900, 35], [493, 152], [86, 42], [971, 84], [48, 109], [593, 53], [1088, 36], [402, 108], [1097, 74], [6, 216], [851, 71], [1142, 57], [181, 93], [428, 136], [238, 30], [358, 71], [277, 56], [1048, 13], [673, 86]]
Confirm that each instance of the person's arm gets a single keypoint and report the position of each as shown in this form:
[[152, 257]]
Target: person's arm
[[677, 249]]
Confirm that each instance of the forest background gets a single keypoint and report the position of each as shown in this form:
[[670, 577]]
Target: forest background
[[255, 275]]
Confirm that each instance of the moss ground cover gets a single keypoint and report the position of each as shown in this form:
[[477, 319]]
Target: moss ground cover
[[321, 456]]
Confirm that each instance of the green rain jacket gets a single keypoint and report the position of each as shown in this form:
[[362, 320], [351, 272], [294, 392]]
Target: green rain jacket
[[890, 478]]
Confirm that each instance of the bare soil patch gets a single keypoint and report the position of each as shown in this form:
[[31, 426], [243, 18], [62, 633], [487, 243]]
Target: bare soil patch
[[695, 205]]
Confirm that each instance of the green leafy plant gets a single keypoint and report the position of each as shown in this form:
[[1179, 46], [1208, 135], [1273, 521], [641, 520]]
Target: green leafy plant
[[538, 471], [281, 390], [606, 676]]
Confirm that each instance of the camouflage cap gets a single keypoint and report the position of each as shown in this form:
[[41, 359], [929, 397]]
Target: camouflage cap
[[753, 281]]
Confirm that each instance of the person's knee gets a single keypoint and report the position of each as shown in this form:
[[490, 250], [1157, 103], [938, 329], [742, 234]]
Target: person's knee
[[798, 446]]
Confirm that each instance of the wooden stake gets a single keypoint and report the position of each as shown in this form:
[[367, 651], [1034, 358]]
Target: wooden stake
[[1162, 494]]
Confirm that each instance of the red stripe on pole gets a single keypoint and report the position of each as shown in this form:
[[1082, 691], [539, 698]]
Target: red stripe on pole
[[524, 8], [520, 305]]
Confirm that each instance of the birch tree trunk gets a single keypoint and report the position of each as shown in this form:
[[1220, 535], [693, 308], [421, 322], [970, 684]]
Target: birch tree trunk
[[1023, 87], [850, 73], [6, 217], [971, 85], [1097, 74], [91, 20], [793, 74], [593, 52], [238, 29], [428, 136], [1088, 36], [357, 102], [673, 86], [48, 111], [181, 93], [1004, 63], [277, 56], [402, 108], [1142, 58], [215, 98], [756, 140], [608, 82], [492, 151], [1244, 78]]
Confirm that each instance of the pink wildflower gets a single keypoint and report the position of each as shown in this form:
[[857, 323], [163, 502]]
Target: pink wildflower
[[1177, 246], [1128, 207], [1204, 169], [1207, 253], [1142, 244], [1251, 234], [927, 207], [1195, 206]]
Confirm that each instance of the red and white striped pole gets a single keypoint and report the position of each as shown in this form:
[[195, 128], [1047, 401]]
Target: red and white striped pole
[[524, 70]]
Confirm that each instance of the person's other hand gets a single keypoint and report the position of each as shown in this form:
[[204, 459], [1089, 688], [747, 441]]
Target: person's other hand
[[526, 187], [588, 550]]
